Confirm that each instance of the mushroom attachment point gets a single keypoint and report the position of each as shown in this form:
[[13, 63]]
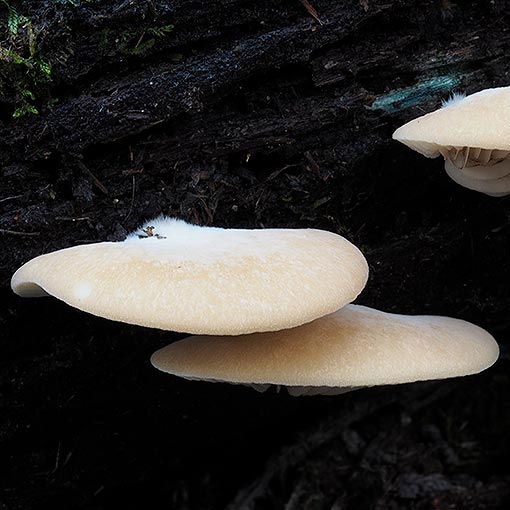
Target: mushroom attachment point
[[203, 280], [472, 134], [354, 347]]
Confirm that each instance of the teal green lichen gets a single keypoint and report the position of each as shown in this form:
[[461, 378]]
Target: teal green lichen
[[401, 99]]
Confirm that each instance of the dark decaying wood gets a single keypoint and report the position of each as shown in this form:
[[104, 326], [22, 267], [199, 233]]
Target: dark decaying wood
[[247, 113]]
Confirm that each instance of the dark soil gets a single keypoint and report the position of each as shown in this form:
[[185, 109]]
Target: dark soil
[[250, 114]]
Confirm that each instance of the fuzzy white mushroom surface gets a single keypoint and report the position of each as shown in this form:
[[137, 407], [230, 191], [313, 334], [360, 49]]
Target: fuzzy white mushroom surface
[[472, 134], [354, 347], [203, 280]]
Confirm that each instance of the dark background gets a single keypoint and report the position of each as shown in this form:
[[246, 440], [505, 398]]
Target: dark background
[[247, 114]]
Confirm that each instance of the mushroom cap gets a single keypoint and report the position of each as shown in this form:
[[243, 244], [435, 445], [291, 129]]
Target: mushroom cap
[[355, 346], [480, 120], [203, 280]]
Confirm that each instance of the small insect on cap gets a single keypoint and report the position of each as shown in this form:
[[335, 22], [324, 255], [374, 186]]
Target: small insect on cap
[[473, 135], [354, 347], [175, 276]]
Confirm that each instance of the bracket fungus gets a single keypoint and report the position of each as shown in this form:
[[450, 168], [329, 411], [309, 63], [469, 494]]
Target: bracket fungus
[[472, 134], [354, 347], [203, 280]]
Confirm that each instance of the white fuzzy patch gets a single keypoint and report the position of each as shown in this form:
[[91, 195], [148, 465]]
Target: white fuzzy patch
[[164, 238], [168, 240], [161, 227], [455, 97]]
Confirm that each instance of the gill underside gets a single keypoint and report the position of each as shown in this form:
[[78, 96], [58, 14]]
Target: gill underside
[[484, 170]]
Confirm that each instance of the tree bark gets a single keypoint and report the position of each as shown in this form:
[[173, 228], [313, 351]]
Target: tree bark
[[248, 114]]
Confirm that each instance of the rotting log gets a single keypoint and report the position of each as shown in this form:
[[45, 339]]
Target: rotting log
[[241, 113]]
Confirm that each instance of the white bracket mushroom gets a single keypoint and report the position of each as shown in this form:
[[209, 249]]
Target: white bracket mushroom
[[203, 280], [472, 134], [354, 347]]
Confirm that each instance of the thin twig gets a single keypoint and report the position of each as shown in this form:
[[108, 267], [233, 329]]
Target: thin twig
[[140, 40], [132, 198], [69, 218], [95, 180], [10, 198], [312, 11], [57, 457], [15, 233]]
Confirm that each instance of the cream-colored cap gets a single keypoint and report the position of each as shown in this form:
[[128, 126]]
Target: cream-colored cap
[[480, 120], [355, 346], [203, 280]]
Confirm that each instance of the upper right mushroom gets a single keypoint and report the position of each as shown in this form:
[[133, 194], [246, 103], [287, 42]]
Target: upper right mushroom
[[472, 134]]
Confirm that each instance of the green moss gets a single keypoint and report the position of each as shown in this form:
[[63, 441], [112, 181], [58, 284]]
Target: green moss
[[22, 67], [25, 70], [132, 42]]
